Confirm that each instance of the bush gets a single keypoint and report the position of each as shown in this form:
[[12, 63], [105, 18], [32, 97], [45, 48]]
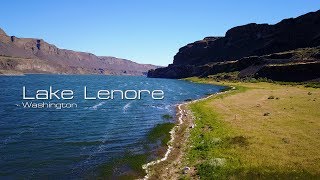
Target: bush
[[266, 114], [271, 97]]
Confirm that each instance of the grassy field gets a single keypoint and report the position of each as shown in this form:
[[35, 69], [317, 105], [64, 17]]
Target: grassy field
[[256, 131]]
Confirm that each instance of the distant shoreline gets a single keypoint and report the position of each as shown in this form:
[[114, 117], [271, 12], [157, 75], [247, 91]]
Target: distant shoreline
[[66, 74]]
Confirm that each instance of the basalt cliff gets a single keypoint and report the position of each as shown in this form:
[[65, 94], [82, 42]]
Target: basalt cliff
[[29, 55], [286, 51]]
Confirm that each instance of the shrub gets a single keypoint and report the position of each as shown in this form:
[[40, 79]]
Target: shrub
[[266, 114], [271, 97]]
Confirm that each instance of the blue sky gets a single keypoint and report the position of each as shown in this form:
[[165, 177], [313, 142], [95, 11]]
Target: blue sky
[[146, 31]]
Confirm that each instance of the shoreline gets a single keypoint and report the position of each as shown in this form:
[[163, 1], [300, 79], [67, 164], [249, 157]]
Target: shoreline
[[236, 131], [183, 115]]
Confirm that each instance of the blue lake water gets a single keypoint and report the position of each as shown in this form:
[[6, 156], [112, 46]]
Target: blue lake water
[[77, 142]]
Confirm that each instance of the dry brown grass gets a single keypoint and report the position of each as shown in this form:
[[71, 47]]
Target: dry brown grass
[[261, 137], [288, 137]]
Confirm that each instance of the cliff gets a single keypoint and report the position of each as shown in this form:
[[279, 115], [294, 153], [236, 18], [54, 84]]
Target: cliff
[[248, 46], [28, 55]]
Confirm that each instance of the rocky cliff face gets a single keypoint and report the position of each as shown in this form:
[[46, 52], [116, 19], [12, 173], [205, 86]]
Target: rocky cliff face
[[246, 48], [295, 65], [16, 54], [253, 39]]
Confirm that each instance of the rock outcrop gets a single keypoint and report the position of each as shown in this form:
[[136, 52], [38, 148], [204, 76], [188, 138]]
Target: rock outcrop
[[16, 54], [245, 48], [296, 65], [253, 39]]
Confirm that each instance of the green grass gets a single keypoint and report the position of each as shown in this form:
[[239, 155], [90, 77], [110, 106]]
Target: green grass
[[211, 139]]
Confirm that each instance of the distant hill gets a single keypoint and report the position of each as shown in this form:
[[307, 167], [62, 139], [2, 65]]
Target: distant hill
[[29, 55], [247, 47]]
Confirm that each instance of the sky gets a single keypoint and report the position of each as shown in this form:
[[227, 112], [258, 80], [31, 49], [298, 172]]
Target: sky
[[145, 31]]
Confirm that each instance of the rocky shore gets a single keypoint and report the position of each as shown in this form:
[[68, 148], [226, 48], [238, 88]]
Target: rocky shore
[[171, 166]]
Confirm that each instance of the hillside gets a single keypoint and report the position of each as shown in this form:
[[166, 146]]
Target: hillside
[[286, 51], [296, 65], [29, 55]]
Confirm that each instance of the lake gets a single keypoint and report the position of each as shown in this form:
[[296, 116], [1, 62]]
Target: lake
[[90, 139]]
